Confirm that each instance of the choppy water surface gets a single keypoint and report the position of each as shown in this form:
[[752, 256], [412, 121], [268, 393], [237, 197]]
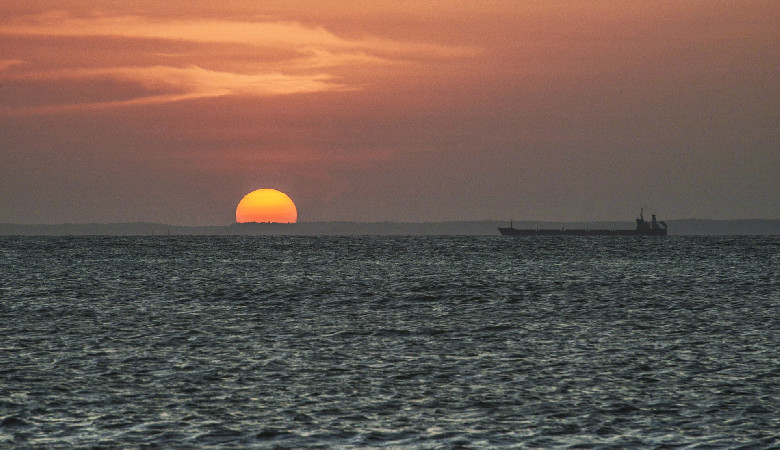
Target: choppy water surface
[[389, 341]]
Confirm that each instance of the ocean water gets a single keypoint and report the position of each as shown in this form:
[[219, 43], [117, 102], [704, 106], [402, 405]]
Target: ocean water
[[424, 342]]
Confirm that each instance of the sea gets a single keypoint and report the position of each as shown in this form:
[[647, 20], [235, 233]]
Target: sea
[[389, 341]]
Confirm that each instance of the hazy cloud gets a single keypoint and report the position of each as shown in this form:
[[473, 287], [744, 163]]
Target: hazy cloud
[[6, 63]]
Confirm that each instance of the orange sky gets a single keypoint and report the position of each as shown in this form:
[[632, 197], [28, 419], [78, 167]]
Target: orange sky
[[395, 110]]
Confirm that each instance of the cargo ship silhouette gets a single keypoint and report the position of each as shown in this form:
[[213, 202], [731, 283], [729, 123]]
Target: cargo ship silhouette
[[643, 228]]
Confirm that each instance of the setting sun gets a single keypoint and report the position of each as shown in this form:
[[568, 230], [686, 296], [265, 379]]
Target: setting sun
[[266, 205]]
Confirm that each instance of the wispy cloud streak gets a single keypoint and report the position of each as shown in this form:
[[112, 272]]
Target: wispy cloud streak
[[185, 83], [290, 58], [261, 33]]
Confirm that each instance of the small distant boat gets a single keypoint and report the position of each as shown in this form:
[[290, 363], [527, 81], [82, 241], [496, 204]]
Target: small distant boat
[[643, 228]]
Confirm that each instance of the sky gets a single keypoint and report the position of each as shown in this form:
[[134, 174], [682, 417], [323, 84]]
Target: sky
[[397, 110]]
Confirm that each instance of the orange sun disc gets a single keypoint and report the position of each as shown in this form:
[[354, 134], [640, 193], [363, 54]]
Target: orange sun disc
[[266, 205]]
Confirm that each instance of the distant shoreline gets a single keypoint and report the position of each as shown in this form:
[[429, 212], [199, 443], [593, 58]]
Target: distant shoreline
[[759, 227]]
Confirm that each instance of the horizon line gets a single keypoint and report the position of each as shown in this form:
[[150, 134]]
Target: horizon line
[[141, 222]]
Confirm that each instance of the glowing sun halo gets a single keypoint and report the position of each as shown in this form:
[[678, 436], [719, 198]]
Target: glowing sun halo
[[266, 205]]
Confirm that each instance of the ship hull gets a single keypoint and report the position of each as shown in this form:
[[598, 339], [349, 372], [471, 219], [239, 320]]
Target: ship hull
[[643, 228], [554, 232]]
